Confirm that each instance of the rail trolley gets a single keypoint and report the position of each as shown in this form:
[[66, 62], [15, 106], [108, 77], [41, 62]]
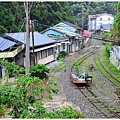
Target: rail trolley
[[82, 78]]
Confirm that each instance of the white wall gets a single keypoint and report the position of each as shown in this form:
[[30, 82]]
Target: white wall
[[104, 20], [91, 24], [96, 22]]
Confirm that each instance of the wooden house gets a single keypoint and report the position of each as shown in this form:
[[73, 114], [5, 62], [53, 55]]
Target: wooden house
[[71, 41], [43, 48]]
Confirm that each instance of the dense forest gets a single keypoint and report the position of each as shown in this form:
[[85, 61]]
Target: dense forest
[[50, 13]]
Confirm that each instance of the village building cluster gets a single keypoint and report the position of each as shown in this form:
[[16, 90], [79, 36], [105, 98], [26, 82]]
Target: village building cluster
[[64, 36]]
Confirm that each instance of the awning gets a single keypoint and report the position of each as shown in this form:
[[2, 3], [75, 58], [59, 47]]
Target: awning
[[43, 48], [86, 33], [58, 44], [66, 42]]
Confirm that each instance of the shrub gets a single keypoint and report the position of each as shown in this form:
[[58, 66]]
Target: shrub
[[39, 70], [107, 45], [12, 68], [63, 113], [68, 112], [62, 54]]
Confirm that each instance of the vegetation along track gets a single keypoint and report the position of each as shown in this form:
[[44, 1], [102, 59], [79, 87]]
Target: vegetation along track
[[105, 72], [85, 56], [100, 105]]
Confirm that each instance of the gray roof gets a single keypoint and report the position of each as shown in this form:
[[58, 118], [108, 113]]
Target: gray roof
[[5, 43], [39, 39]]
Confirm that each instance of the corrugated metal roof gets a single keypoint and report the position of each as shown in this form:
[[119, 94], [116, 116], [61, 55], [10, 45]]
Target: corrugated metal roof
[[72, 25], [65, 27], [39, 39], [5, 43], [62, 30]]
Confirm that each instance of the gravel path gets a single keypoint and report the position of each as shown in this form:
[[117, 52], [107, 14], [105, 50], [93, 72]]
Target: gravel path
[[73, 94], [69, 91]]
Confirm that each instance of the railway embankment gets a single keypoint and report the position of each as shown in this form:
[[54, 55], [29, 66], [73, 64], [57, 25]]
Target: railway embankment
[[102, 86]]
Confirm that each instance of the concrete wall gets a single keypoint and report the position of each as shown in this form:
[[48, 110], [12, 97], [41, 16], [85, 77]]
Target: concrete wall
[[115, 56], [46, 60]]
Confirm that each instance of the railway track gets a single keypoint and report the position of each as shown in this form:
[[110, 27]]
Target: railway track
[[80, 60], [99, 104], [107, 107], [105, 72]]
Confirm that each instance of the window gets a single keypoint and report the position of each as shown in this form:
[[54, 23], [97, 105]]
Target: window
[[50, 51], [63, 46], [108, 18], [44, 53], [39, 55], [100, 18]]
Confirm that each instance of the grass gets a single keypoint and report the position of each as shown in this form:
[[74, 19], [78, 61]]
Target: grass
[[111, 67], [105, 74], [113, 95], [87, 63]]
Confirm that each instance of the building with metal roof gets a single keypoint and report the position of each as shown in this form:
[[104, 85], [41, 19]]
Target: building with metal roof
[[43, 48], [39, 39], [9, 48], [5, 44], [71, 39], [72, 25], [69, 27]]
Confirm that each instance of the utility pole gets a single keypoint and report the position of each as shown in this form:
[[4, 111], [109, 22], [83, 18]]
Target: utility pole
[[32, 26], [82, 28], [94, 24], [82, 17], [27, 10]]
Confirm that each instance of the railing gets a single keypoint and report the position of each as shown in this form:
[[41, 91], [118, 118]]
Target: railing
[[12, 53]]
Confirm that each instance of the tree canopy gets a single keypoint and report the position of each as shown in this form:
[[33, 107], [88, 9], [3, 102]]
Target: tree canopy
[[116, 26], [50, 13], [91, 8]]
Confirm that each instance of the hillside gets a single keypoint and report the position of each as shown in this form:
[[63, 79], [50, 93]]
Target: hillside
[[50, 13]]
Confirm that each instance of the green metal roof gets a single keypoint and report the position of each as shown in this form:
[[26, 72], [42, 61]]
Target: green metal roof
[[65, 27], [67, 32]]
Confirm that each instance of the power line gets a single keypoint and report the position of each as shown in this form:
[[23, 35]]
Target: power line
[[4, 41], [11, 35], [54, 11], [12, 46], [44, 25], [31, 6], [21, 27]]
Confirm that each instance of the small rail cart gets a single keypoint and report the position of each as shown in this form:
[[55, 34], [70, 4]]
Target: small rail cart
[[82, 78]]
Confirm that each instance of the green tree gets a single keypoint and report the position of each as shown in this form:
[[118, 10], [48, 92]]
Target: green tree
[[24, 92], [10, 17], [115, 32], [50, 13], [39, 70], [22, 97], [116, 25], [91, 8]]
